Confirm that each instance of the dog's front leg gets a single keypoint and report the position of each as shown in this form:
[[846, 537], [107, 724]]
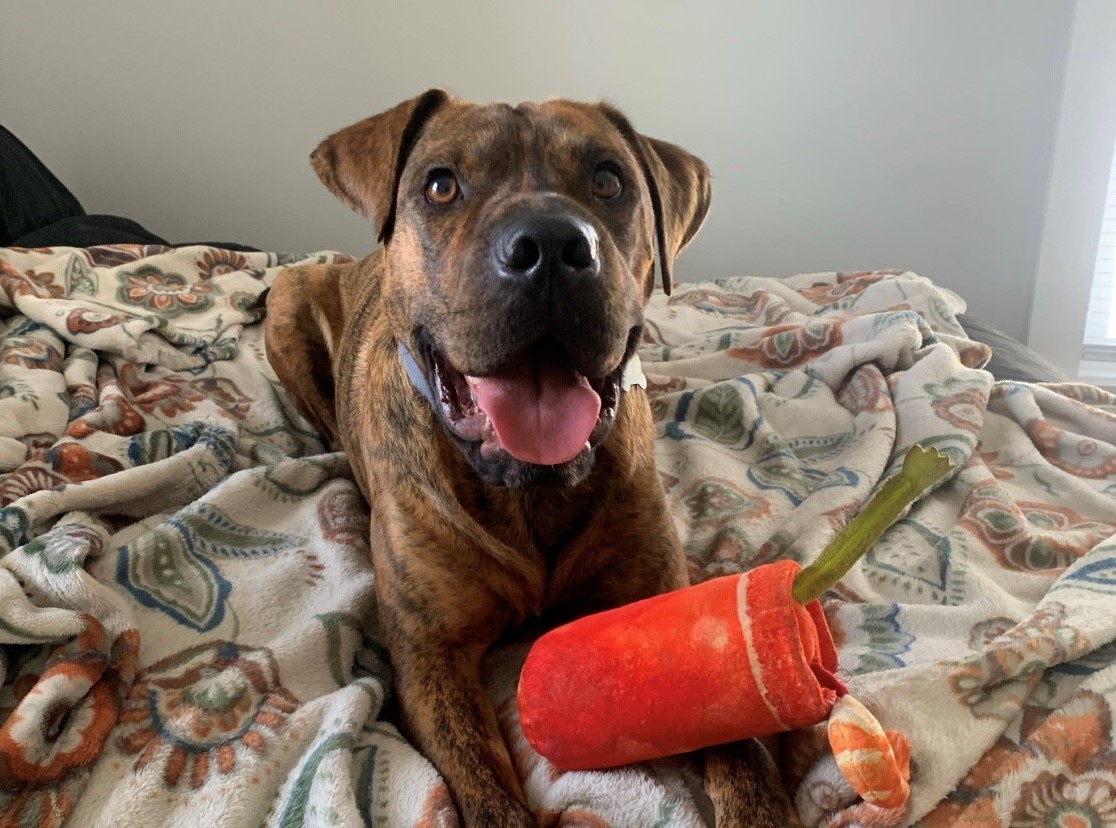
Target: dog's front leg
[[443, 706], [447, 714]]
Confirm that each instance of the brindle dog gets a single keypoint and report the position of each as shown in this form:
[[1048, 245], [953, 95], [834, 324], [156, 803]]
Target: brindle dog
[[471, 370]]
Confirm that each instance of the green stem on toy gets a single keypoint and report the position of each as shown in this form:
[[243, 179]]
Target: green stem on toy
[[922, 467]]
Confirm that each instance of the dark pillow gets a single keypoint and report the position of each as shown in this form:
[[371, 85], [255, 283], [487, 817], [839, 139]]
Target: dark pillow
[[36, 209], [30, 196], [1011, 359], [87, 231]]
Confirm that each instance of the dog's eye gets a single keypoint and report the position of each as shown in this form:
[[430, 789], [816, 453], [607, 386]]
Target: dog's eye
[[442, 187], [606, 182]]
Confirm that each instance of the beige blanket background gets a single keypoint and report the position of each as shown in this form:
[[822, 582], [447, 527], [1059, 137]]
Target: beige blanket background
[[186, 606]]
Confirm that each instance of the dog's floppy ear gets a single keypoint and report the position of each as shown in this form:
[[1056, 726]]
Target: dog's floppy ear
[[305, 317], [679, 185], [361, 164]]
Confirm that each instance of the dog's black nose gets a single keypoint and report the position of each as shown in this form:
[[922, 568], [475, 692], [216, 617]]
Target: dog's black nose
[[547, 245]]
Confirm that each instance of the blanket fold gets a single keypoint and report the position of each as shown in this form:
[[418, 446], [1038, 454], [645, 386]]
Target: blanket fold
[[187, 616]]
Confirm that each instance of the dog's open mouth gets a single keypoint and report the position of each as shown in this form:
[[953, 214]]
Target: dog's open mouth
[[536, 407]]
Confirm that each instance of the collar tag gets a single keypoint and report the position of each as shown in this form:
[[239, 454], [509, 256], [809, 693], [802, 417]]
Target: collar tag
[[632, 374]]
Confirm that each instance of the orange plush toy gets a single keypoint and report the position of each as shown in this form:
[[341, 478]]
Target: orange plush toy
[[734, 657], [724, 660]]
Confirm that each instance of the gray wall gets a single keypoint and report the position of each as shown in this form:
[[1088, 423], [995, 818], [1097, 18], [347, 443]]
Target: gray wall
[[860, 134]]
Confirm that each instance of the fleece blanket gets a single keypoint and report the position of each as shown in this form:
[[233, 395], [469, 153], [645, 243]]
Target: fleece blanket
[[187, 620]]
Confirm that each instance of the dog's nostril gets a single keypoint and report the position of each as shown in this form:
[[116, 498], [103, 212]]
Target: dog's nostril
[[522, 254], [578, 253]]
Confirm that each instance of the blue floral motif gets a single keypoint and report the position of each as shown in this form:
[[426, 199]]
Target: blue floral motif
[[781, 470], [13, 528], [727, 412], [886, 640], [153, 446], [919, 558], [1095, 572], [171, 569]]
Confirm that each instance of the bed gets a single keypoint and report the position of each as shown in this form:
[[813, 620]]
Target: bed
[[187, 620]]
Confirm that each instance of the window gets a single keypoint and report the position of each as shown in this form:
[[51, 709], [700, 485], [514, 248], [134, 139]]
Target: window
[[1062, 329], [1100, 324]]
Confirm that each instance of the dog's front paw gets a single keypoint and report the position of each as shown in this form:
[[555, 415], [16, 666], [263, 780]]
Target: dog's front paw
[[743, 782], [507, 813]]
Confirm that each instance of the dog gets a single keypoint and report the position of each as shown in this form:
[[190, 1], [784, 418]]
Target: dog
[[475, 370]]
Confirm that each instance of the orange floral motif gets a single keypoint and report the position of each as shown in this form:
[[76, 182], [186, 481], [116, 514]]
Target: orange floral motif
[[60, 725], [204, 710], [169, 395], [974, 355], [995, 683], [343, 518], [963, 409], [999, 466], [167, 293], [114, 255], [846, 284], [980, 810], [719, 499], [31, 477], [114, 416], [1087, 394], [37, 444], [218, 262], [1061, 800], [784, 346], [726, 554], [1077, 455], [77, 463], [29, 352], [865, 390], [84, 320], [658, 384], [754, 308], [1029, 536], [83, 398], [28, 283], [1075, 738], [226, 394], [984, 633], [249, 303]]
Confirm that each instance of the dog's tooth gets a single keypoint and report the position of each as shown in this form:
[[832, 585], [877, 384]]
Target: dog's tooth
[[587, 446]]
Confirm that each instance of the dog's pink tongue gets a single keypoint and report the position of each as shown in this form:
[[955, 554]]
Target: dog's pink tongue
[[542, 412]]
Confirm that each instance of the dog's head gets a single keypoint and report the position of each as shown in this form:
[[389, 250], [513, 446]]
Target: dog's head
[[519, 251]]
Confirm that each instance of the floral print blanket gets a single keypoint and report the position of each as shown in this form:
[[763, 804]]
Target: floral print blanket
[[187, 630]]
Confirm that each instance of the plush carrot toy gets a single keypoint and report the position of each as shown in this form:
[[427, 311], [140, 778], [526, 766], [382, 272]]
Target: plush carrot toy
[[734, 657]]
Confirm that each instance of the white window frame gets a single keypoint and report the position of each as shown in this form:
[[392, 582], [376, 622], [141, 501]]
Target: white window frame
[[1083, 153], [1098, 362]]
